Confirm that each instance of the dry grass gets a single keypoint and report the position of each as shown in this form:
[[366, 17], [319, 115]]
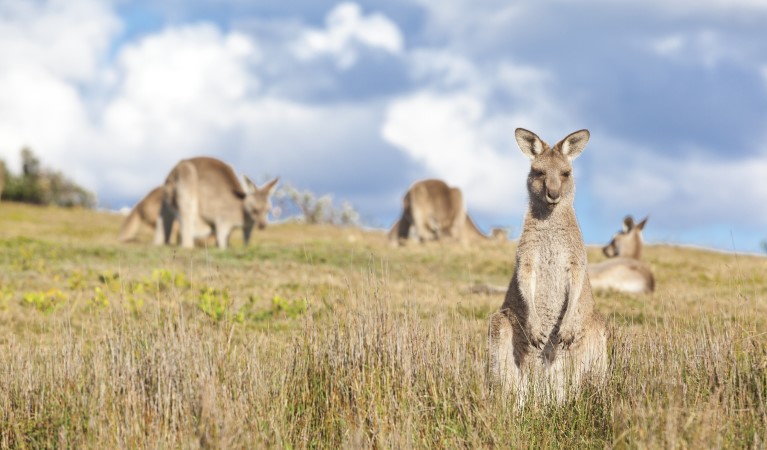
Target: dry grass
[[326, 337]]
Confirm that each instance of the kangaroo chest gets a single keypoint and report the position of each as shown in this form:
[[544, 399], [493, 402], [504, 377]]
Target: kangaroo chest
[[551, 259]]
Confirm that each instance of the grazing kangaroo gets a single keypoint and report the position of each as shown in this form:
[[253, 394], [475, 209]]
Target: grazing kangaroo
[[547, 335], [207, 190], [434, 211], [624, 271]]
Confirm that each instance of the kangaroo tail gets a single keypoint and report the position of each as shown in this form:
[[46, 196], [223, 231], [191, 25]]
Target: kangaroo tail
[[130, 226], [471, 226]]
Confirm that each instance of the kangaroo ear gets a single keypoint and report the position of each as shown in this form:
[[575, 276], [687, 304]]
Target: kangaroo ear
[[628, 224], [270, 186], [530, 144], [250, 186], [574, 143], [641, 224]]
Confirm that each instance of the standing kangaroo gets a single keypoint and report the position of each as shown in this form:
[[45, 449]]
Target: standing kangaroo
[[435, 211], [207, 190], [624, 271], [548, 335]]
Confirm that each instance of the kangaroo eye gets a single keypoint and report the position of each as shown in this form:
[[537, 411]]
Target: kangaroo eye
[[537, 173], [566, 174]]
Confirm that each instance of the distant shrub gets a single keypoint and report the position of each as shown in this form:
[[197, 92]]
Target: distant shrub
[[314, 209], [41, 186]]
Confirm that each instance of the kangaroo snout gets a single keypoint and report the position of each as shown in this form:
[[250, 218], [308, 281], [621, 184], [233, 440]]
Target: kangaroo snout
[[553, 190], [553, 197]]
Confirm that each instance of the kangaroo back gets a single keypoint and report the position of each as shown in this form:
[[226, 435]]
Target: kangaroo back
[[433, 210]]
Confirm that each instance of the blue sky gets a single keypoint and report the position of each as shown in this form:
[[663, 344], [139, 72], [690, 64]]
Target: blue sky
[[359, 99]]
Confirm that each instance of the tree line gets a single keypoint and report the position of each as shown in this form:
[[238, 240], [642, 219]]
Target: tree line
[[40, 185]]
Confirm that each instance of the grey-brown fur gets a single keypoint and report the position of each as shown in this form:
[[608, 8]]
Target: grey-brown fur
[[147, 212], [624, 271], [2, 178], [548, 335], [434, 211], [207, 190], [153, 212]]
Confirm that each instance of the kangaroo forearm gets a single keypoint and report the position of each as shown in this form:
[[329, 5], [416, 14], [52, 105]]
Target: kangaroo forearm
[[574, 293], [527, 290]]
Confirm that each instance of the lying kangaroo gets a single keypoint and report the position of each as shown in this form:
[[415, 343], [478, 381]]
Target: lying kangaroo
[[146, 211], [434, 211], [625, 271], [207, 190], [548, 335], [153, 212], [2, 178]]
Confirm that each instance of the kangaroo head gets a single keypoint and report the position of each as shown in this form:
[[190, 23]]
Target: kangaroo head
[[628, 241], [550, 181], [257, 202]]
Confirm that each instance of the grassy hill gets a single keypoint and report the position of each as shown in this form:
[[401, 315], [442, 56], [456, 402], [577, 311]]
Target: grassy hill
[[316, 336]]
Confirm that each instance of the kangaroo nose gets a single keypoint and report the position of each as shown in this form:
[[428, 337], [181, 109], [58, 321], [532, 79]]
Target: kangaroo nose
[[552, 196]]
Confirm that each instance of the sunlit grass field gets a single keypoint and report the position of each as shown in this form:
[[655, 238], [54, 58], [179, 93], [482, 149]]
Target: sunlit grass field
[[317, 336]]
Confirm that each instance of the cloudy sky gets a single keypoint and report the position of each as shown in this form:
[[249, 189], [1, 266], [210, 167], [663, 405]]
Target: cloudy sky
[[359, 99]]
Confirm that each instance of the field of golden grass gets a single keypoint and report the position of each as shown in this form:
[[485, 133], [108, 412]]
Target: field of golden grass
[[316, 336]]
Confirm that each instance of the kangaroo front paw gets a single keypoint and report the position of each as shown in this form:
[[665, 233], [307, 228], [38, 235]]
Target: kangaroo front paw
[[566, 336], [537, 336]]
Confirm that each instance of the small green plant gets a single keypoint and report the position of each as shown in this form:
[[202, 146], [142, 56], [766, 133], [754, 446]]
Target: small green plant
[[111, 281], [46, 301], [135, 305], [99, 298], [164, 279], [282, 308], [77, 280], [6, 294], [215, 304]]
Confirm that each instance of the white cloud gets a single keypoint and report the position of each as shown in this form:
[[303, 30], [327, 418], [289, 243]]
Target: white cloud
[[346, 29], [40, 111], [478, 21], [456, 141], [456, 130], [669, 45], [183, 91], [179, 86], [706, 47], [49, 50], [64, 37], [681, 191], [698, 7]]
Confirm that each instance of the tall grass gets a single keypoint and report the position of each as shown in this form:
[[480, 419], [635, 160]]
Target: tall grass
[[370, 373], [336, 356]]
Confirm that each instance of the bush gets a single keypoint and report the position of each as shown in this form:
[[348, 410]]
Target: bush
[[313, 209], [41, 186]]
